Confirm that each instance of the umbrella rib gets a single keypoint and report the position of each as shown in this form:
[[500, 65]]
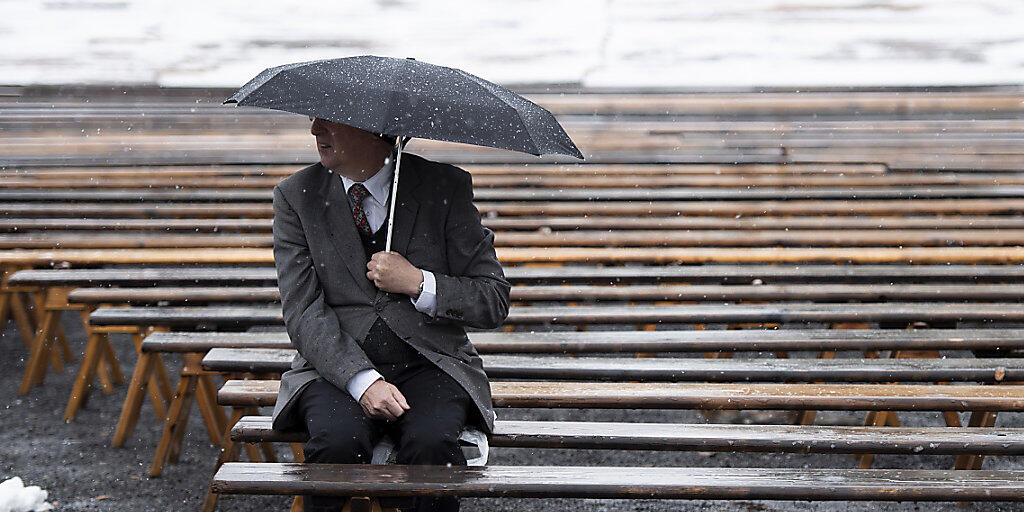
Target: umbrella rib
[[477, 80], [392, 94]]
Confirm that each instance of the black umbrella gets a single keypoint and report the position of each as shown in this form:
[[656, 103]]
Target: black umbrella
[[408, 98]]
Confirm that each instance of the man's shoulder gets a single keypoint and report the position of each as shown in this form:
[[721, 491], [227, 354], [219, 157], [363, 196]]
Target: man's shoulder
[[438, 172], [301, 178]]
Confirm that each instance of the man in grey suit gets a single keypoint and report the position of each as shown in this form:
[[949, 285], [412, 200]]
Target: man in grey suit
[[381, 335]]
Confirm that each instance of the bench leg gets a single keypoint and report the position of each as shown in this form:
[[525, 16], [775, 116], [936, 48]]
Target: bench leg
[[359, 504], [62, 340], [229, 451], [5, 306], [874, 419], [159, 382], [174, 425], [35, 370], [112, 365], [977, 419], [213, 415], [25, 323], [133, 401], [83, 381], [42, 301]]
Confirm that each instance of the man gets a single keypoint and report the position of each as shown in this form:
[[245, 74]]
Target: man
[[380, 335]]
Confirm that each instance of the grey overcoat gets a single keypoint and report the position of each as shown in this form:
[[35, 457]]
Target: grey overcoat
[[329, 304]]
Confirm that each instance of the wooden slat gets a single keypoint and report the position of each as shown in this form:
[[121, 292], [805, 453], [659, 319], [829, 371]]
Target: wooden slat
[[561, 342], [710, 273], [528, 223], [101, 180], [539, 195], [676, 395], [579, 255], [198, 295], [620, 482], [717, 437], [580, 238], [561, 208], [237, 316], [266, 360]]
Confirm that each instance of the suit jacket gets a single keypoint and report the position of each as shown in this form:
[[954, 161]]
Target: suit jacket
[[329, 305]]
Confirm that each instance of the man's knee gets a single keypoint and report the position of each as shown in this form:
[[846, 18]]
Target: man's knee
[[338, 448], [427, 444]]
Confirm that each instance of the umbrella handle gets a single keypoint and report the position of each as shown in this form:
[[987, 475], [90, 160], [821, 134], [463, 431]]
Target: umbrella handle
[[394, 194]]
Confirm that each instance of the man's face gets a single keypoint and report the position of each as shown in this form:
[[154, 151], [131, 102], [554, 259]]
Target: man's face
[[338, 143]]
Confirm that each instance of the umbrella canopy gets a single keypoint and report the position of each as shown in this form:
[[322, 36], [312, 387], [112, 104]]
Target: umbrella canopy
[[409, 98]]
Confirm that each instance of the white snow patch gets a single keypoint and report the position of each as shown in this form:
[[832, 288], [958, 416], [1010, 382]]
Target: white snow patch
[[593, 43], [15, 497]]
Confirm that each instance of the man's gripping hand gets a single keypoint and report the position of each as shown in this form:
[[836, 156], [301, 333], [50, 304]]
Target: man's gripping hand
[[382, 400], [391, 272]]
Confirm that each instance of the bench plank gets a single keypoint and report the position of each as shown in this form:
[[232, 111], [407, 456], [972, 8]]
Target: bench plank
[[546, 194], [527, 223], [245, 316], [759, 340], [197, 295], [619, 482], [575, 274], [578, 255], [675, 395], [264, 360], [716, 437]]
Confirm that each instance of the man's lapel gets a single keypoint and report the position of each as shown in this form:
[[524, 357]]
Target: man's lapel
[[343, 234], [408, 206], [342, 230]]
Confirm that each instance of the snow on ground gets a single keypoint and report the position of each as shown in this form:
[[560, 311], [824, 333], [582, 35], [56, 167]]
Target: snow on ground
[[15, 497], [590, 42]]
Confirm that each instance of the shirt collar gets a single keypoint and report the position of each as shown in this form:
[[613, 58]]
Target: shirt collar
[[379, 185]]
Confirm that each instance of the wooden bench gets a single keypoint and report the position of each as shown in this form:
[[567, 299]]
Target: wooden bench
[[246, 316], [513, 178], [618, 482], [723, 208], [533, 194], [568, 239], [200, 295], [983, 401], [195, 345], [530, 223], [56, 285]]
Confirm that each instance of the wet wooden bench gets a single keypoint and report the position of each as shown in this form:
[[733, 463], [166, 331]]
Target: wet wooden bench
[[617, 482], [534, 194], [720, 208], [983, 401], [567, 239], [246, 316], [531, 223], [991, 370], [57, 286], [194, 345]]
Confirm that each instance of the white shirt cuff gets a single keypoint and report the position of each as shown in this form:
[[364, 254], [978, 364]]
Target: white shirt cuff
[[427, 301], [357, 385]]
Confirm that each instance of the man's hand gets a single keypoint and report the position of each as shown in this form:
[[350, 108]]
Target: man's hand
[[391, 272], [382, 400]]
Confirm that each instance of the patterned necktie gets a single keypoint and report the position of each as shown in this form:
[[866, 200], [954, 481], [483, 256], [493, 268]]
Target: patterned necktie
[[357, 192]]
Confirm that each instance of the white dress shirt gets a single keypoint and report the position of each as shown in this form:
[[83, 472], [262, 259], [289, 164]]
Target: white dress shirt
[[375, 208]]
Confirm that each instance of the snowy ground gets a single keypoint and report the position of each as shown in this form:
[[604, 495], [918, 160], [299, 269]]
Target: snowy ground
[[588, 42]]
